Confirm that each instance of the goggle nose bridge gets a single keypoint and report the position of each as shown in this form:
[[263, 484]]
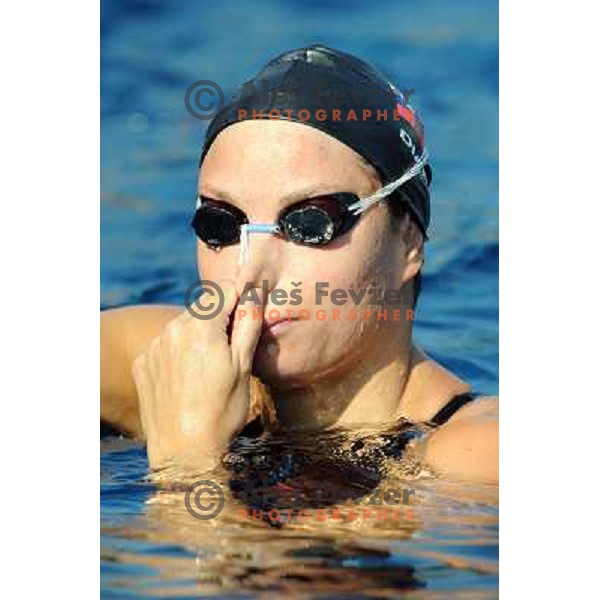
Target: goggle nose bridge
[[245, 232]]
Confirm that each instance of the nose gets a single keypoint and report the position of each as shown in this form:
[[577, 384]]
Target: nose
[[258, 256]]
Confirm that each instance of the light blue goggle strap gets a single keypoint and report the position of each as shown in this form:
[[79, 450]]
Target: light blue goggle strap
[[386, 190], [246, 230]]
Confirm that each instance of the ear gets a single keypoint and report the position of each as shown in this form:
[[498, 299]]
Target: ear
[[412, 240]]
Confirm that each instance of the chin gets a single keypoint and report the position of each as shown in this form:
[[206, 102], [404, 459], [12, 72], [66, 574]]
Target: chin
[[278, 366]]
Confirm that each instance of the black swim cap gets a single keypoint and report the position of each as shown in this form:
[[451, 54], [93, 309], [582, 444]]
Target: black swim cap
[[346, 98]]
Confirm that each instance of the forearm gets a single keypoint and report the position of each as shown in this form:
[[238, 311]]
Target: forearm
[[118, 397], [124, 333]]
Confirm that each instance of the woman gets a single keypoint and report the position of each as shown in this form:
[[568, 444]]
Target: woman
[[290, 197]]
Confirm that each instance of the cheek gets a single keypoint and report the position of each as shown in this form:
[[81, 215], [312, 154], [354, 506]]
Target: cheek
[[365, 257], [215, 265], [337, 293], [359, 260]]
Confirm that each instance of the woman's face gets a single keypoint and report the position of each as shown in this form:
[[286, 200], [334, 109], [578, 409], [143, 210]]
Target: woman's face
[[262, 167]]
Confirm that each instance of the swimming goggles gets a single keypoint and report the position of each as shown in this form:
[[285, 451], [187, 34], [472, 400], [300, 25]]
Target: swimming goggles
[[315, 221]]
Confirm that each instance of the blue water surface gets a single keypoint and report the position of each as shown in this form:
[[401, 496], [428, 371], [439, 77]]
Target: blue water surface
[[151, 52]]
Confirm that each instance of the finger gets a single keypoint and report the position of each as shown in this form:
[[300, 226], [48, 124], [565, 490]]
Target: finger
[[231, 297], [138, 367], [211, 310], [247, 326], [153, 355], [138, 371]]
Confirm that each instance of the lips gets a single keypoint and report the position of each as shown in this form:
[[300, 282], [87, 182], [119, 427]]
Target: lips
[[273, 326]]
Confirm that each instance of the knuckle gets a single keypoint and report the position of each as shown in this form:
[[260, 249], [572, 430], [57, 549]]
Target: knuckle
[[138, 365], [155, 343], [173, 328]]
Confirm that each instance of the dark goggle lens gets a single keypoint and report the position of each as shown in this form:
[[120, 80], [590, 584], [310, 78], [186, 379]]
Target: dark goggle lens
[[218, 225], [317, 221], [308, 225]]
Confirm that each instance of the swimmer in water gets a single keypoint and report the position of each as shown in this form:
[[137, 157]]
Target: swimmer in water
[[316, 185]]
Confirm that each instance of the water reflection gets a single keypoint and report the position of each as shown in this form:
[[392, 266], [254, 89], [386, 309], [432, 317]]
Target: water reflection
[[165, 550]]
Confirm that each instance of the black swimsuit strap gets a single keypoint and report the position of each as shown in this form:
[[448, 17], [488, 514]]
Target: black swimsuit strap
[[451, 407], [254, 429]]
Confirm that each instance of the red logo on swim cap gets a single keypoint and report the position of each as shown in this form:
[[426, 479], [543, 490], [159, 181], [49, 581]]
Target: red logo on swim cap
[[409, 115]]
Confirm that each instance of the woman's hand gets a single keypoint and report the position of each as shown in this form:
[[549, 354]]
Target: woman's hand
[[193, 383]]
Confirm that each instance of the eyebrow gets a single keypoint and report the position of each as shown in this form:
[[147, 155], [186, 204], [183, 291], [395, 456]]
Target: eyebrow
[[295, 196]]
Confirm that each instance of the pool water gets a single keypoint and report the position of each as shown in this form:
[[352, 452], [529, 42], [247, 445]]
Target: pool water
[[151, 52]]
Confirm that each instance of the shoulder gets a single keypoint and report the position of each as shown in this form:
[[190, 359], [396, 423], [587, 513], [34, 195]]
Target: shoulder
[[150, 316], [466, 447], [135, 326]]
